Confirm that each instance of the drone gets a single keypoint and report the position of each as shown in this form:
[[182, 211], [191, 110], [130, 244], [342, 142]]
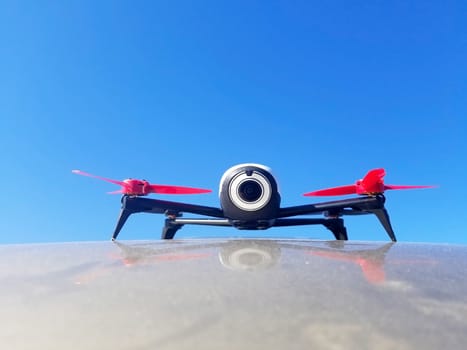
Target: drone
[[250, 200]]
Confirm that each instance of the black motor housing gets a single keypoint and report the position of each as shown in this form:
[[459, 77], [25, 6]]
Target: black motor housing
[[249, 196]]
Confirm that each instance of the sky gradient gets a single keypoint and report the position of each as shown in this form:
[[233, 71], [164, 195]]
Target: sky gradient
[[176, 92]]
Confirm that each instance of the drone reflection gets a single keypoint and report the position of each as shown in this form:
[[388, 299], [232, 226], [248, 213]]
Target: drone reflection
[[251, 255]]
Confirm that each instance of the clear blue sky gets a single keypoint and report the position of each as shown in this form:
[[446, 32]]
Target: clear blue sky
[[178, 91]]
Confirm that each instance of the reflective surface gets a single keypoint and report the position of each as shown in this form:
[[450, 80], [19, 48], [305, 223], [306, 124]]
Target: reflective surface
[[230, 294]]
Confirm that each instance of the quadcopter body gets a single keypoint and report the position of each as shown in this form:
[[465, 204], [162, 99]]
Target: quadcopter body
[[249, 199]]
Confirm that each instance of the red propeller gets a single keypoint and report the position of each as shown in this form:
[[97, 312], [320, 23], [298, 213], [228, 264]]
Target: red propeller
[[133, 187], [371, 184]]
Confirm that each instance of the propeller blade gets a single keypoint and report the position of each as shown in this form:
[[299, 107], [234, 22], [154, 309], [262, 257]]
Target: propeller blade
[[371, 184], [79, 172], [168, 189], [404, 187], [141, 187], [334, 191], [374, 176]]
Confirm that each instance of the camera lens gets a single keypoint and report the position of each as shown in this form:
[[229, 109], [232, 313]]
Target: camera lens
[[250, 191]]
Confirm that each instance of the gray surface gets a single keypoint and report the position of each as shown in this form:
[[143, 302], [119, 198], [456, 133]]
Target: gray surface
[[231, 294]]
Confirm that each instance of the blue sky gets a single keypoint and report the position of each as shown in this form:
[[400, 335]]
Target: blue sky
[[178, 91]]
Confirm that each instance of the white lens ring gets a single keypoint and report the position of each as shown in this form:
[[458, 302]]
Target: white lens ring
[[257, 204]]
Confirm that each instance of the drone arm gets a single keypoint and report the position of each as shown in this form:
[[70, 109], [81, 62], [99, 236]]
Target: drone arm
[[131, 205], [156, 206], [353, 206], [359, 204]]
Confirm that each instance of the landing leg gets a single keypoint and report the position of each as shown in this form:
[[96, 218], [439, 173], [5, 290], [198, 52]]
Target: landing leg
[[336, 226], [170, 229], [383, 217], [122, 218]]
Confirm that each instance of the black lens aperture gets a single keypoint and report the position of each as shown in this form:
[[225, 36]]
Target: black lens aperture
[[250, 191]]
